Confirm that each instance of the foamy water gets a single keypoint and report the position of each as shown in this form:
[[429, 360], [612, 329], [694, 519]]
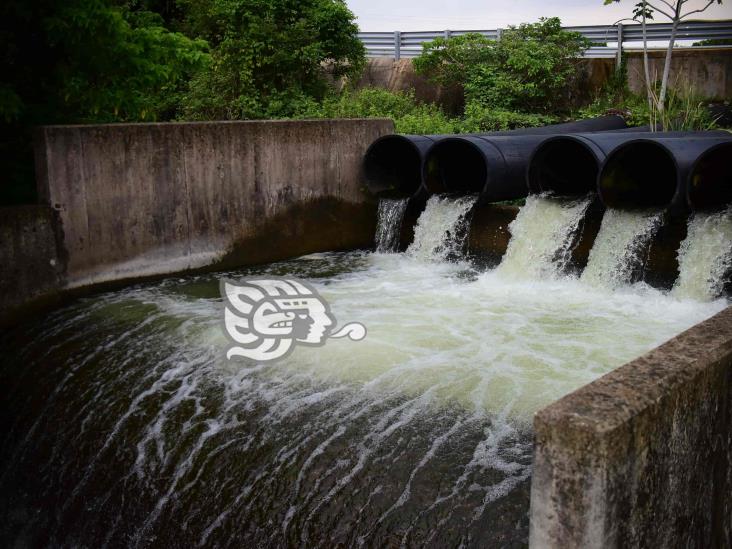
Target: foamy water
[[542, 236], [442, 228], [418, 434], [621, 247], [125, 423], [705, 256], [389, 223]]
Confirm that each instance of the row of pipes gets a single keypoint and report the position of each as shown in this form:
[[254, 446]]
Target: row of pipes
[[629, 168]]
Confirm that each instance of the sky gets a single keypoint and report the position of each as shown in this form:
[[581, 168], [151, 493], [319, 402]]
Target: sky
[[411, 15]]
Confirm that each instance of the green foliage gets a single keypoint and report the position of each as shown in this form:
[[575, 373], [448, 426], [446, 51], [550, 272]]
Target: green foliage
[[83, 61], [714, 42], [409, 115], [269, 56], [485, 119], [412, 117], [87, 60], [531, 68], [685, 110], [450, 61]]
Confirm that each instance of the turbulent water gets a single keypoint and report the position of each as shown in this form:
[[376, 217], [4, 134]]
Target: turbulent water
[[542, 236], [620, 247], [705, 256], [389, 223], [124, 423], [442, 228]]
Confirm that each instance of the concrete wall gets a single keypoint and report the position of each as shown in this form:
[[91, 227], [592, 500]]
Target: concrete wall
[[149, 199], [707, 71], [31, 260], [642, 457]]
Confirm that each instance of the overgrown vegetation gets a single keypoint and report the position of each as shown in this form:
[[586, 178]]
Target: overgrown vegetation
[[83, 61], [532, 68], [268, 57], [411, 116]]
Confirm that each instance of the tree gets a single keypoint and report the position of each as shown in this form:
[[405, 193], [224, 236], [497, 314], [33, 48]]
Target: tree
[[269, 56], [530, 68], [673, 10], [83, 61]]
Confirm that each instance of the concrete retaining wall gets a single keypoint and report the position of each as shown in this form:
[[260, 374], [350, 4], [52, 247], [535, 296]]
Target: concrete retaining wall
[[31, 257], [642, 457], [707, 71], [138, 200]]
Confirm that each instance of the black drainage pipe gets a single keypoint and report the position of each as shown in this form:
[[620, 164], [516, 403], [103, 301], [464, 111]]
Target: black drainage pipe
[[709, 185], [570, 164], [394, 164], [653, 172], [494, 166]]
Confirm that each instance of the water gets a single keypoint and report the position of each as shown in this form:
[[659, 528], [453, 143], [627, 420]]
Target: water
[[621, 246], [124, 423], [442, 229], [542, 236], [705, 256], [389, 224]]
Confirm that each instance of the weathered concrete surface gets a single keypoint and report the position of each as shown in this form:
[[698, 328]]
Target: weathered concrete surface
[[642, 457], [139, 200], [31, 263], [707, 71]]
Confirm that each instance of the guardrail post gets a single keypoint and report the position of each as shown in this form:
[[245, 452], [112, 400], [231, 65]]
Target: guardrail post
[[619, 54], [397, 45], [499, 32], [447, 34]]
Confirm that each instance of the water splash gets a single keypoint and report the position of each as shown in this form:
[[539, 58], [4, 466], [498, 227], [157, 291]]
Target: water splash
[[442, 229], [705, 256], [389, 224], [542, 236], [621, 247]]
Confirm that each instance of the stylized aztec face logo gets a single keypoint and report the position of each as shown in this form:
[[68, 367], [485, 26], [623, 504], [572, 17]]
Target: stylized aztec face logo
[[266, 318]]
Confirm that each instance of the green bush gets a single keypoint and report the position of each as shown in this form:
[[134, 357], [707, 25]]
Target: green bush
[[409, 115], [484, 119], [531, 68], [269, 57]]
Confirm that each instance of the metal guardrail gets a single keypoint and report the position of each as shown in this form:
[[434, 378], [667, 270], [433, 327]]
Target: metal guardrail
[[409, 44]]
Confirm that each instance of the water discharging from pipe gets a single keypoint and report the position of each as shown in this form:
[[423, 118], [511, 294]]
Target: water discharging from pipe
[[542, 236], [124, 422], [389, 224], [442, 228], [621, 247], [705, 256]]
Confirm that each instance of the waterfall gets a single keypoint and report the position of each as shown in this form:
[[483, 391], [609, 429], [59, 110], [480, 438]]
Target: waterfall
[[542, 236], [389, 224], [442, 229], [705, 256], [621, 246]]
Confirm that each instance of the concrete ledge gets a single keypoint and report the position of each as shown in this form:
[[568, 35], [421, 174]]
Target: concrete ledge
[[642, 457], [138, 200]]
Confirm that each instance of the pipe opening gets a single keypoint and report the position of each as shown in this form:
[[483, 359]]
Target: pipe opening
[[455, 166], [393, 167], [563, 166], [710, 181], [638, 175]]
